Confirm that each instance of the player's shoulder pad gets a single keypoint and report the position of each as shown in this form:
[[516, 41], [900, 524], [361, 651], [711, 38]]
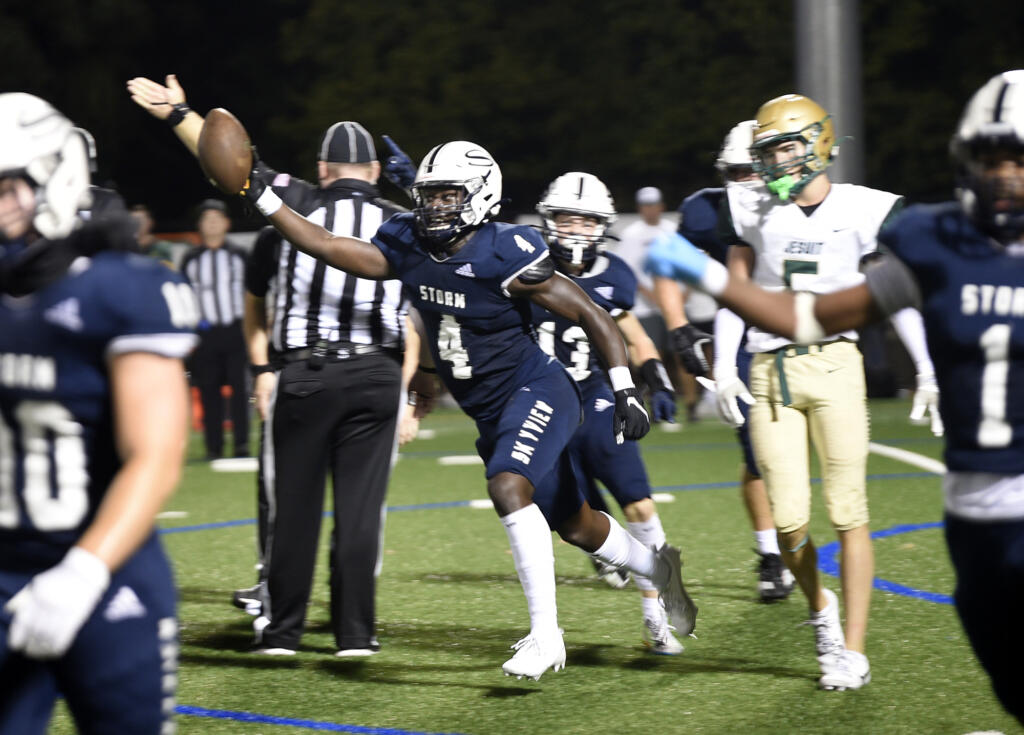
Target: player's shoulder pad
[[619, 271], [517, 243], [396, 237], [920, 233], [140, 295]]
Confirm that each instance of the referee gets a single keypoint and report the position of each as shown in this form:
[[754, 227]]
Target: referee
[[216, 270], [326, 350]]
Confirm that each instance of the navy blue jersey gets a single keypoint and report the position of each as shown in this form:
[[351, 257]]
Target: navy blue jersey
[[57, 443], [972, 301], [481, 338], [699, 221], [610, 284]]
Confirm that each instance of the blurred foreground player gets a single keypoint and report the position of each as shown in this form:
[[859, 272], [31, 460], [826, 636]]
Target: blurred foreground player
[[473, 282], [93, 415], [962, 264]]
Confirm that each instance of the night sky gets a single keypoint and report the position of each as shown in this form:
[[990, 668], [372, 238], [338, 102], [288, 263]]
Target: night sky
[[639, 92]]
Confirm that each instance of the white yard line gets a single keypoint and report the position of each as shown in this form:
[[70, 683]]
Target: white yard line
[[912, 458], [459, 459]]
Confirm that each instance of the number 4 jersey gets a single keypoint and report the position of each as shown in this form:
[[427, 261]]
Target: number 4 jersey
[[481, 338], [57, 441]]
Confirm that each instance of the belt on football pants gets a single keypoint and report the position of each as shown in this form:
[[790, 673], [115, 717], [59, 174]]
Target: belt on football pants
[[795, 351]]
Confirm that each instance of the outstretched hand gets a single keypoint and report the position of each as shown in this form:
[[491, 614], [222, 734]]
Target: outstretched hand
[[155, 98], [399, 168]]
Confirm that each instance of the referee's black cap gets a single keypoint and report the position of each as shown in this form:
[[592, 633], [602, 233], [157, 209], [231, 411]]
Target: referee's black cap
[[347, 142]]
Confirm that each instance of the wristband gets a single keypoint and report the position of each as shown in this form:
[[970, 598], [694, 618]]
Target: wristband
[[255, 370], [715, 278], [178, 113], [268, 203], [808, 329], [620, 378], [428, 370]]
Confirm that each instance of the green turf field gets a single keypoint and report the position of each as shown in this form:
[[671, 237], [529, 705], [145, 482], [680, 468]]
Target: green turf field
[[449, 606]]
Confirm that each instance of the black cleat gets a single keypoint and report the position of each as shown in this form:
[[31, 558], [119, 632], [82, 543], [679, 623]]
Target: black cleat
[[774, 580]]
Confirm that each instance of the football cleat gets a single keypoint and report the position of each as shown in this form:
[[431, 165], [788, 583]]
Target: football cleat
[[613, 576], [274, 651], [534, 655], [850, 670], [249, 600], [658, 638], [668, 578], [828, 632], [774, 580]]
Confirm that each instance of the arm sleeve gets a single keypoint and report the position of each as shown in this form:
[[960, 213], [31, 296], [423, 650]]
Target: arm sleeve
[[910, 327], [728, 335], [298, 194], [892, 285], [262, 263]]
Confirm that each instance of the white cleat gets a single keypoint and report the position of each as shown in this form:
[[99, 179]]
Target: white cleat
[[828, 632], [850, 670], [612, 576], [668, 578], [535, 655], [658, 637], [274, 651]]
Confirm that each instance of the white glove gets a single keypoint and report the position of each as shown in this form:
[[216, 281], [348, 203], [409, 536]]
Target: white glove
[[727, 388], [49, 611], [926, 400]]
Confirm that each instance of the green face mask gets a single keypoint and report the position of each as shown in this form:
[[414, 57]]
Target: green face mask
[[783, 186]]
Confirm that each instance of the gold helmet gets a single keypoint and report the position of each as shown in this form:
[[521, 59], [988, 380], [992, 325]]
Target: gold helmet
[[792, 117]]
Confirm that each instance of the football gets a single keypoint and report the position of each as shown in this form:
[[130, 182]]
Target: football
[[225, 153]]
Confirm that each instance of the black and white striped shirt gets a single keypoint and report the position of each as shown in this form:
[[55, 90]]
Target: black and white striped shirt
[[308, 300], [218, 276]]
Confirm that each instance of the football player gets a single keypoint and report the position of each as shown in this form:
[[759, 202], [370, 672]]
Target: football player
[[93, 416], [576, 211], [962, 264], [803, 232], [472, 281], [699, 223]]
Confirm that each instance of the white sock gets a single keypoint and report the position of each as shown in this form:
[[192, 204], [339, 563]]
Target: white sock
[[652, 608], [622, 550], [651, 534], [767, 541], [530, 540]]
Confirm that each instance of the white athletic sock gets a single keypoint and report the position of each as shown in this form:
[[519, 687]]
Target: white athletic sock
[[622, 550], [651, 534], [530, 540], [767, 541], [652, 608]]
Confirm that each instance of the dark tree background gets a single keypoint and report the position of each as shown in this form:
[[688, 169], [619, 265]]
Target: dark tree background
[[639, 92]]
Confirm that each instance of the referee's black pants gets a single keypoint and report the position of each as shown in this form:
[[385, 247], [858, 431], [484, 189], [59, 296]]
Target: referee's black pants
[[220, 359], [340, 416]]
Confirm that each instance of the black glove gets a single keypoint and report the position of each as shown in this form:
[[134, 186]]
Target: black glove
[[399, 168], [688, 343], [254, 185], [631, 419]]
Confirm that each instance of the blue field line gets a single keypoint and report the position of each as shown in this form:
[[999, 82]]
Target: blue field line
[[223, 714], [828, 564], [465, 503]]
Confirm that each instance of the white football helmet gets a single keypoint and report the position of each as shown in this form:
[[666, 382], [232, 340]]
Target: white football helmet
[[735, 149], [576, 193], [456, 165], [992, 121], [39, 143]]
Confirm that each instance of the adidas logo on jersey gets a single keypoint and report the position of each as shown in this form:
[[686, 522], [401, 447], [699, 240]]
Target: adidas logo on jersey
[[465, 270], [65, 314], [605, 291], [602, 404], [123, 605]]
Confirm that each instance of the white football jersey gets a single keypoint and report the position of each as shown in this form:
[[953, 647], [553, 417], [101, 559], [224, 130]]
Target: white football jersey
[[820, 253]]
